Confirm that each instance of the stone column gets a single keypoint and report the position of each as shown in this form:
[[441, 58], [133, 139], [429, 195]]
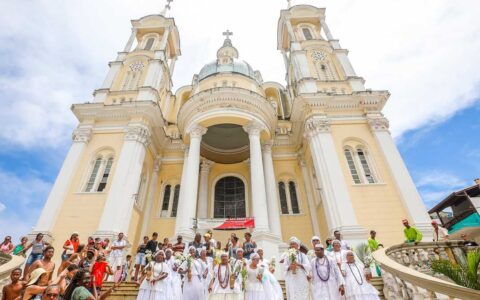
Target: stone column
[[338, 206], [187, 205], [271, 190], [327, 31], [309, 192], [259, 199], [152, 192], [203, 189], [118, 208], [405, 186], [130, 41], [81, 136]]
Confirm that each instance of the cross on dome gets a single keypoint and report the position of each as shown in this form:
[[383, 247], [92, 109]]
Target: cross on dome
[[166, 8], [227, 33], [289, 3]]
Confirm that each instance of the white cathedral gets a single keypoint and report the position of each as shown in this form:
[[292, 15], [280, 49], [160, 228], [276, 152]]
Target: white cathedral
[[303, 158]]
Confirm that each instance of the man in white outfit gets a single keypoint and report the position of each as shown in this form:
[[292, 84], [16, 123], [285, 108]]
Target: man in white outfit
[[296, 272], [327, 280]]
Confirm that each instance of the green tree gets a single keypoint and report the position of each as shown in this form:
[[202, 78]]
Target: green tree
[[465, 274]]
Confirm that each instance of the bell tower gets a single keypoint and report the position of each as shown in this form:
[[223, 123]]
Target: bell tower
[[143, 70], [314, 60]]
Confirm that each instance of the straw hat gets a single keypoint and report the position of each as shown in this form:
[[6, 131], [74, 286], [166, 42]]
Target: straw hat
[[35, 275]]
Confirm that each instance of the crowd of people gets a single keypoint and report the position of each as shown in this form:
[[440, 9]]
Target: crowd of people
[[200, 269]]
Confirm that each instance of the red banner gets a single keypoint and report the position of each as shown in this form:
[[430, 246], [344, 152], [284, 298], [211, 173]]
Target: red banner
[[236, 224]]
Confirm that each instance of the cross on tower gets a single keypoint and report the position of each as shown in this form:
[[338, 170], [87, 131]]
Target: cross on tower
[[289, 3], [227, 34]]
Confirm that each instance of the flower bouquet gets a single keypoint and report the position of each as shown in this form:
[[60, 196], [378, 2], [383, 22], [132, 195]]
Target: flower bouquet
[[365, 256], [148, 256], [189, 267], [272, 264], [244, 275], [217, 258], [292, 257]]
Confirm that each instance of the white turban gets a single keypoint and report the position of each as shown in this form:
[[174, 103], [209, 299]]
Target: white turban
[[191, 247], [168, 250], [336, 241], [258, 249], [224, 254], [294, 240], [239, 250], [319, 246], [254, 255], [315, 238], [159, 251]]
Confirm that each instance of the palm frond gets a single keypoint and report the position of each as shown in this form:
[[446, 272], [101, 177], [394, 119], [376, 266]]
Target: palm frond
[[464, 275]]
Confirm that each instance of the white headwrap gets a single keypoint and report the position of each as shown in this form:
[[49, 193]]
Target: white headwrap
[[254, 255], [158, 252], [224, 254], [315, 238], [168, 250], [319, 245], [191, 247], [239, 250], [336, 241], [258, 249], [294, 239]]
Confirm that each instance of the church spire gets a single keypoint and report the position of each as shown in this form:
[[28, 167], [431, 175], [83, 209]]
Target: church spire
[[227, 52]]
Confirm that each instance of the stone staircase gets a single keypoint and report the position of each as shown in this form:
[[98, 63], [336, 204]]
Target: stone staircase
[[129, 290], [377, 283]]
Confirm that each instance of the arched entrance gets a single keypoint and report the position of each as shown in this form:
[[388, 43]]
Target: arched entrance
[[229, 199]]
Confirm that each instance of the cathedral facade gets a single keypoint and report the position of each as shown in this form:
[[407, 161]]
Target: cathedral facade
[[301, 159]]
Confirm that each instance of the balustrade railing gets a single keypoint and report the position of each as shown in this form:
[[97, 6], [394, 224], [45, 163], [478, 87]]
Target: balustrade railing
[[7, 264], [407, 273]]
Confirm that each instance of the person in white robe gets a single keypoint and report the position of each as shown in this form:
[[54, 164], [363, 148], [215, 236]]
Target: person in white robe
[[223, 286], [327, 280], [155, 283], [207, 269], [175, 278], [192, 280], [272, 288], [296, 273], [337, 254], [254, 289], [356, 285]]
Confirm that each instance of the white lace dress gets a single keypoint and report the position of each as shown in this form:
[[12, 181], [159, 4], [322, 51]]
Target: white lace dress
[[272, 288], [193, 290], [160, 290], [176, 279], [254, 288], [297, 284], [356, 285], [221, 289]]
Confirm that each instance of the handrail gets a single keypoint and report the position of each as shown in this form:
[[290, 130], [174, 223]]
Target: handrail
[[14, 261], [398, 278]]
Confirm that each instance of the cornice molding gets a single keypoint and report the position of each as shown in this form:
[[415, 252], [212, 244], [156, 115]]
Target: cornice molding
[[82, 135], [378, 123], [315, 125]]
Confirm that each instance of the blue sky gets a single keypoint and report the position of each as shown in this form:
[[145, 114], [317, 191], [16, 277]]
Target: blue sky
[[55, 52]]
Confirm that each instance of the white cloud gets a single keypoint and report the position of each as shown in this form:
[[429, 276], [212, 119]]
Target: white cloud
[[54, 53], [2, 207]]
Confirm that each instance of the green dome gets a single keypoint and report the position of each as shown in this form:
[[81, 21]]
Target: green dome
[[237, 66]]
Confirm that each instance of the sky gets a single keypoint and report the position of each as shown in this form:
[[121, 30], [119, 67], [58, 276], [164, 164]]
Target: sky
[[54, 53]]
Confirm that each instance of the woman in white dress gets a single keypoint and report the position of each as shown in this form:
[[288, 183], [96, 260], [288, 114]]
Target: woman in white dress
[[222, 287], [175, 278], [207, 269], [356, 285], [254, 288], [155, 283], [296, 274], [192, 280], [272, 288]]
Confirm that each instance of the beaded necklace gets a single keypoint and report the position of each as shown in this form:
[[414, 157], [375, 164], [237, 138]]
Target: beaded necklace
[[360, 274], [224, 282], [317, 262]]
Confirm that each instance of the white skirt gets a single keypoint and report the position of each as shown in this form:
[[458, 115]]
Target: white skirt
[[193, 290], [255, 295]]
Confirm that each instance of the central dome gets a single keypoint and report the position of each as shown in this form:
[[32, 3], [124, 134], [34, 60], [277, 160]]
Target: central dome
[[236, 65], [227, 62]]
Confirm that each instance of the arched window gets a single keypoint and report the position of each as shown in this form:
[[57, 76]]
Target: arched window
[[149, 44], [93, 175], [176, 194], [170, 201], [229, 198], [366, 168], [106, 173], [288, 197], [283, 197], [352, 166], [307, 33], [166, 200], [293, 197]]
